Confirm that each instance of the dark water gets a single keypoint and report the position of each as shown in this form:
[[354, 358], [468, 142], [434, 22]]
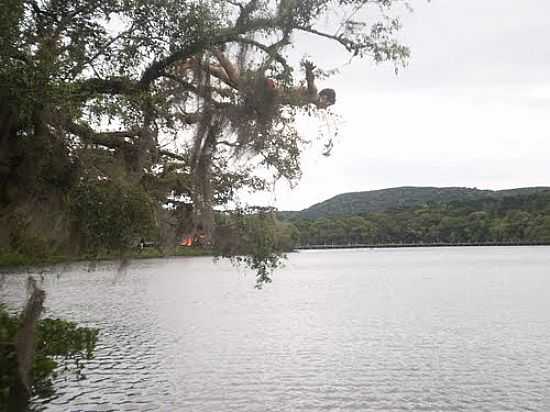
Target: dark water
[[443, 329]]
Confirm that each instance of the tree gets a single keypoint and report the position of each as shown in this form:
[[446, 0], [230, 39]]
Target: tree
[[139, 97], [114, 113]]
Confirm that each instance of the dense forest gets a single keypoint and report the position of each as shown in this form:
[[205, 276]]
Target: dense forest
[[519, 218]]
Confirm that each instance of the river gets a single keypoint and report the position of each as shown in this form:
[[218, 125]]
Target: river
[[433, 329]]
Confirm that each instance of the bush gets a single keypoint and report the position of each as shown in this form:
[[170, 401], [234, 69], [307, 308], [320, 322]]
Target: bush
[[111, 216], [57, 341]]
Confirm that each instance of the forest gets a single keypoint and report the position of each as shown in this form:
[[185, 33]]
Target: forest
[[520, 218]]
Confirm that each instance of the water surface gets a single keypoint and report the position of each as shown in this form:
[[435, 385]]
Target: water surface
[[442, 329]]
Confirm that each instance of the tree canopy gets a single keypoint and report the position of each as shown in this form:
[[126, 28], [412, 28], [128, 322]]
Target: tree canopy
[[177, 103]]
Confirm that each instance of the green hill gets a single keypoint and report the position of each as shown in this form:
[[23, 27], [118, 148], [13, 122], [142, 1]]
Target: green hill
[[508, 216], [355, 203]]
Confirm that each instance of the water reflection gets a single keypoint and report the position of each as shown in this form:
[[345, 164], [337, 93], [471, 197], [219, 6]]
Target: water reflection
[[429, 329]]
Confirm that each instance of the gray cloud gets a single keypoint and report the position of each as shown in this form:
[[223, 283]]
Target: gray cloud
[[470, 109]]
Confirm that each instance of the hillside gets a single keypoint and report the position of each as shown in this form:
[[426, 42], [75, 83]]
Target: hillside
[[503, 218], [355, 203]]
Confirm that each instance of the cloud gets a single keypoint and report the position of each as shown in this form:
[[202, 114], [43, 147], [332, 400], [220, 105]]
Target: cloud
[[471, 109]]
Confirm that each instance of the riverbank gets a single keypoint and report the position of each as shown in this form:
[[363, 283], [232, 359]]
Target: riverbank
[[403, 245], [12, 260]]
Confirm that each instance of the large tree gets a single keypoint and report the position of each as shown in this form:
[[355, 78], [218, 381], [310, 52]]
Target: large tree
[[158, 102]]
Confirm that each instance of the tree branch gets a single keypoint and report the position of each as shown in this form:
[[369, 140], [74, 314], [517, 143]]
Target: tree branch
[[171, 155], [112, 86], [189, 118], [269, 50], [348, 44], [158, 67], [204, 91], [112, 140], [246, 11]]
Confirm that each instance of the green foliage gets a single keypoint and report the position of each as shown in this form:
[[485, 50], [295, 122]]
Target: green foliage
[[58, 343], [255, 238], [60, 337], [111, 216], [113, 108], [192, 251], [25, 242], [9, 258], [509, 219], [356, 203]]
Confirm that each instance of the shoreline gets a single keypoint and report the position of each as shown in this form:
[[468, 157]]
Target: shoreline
[[10, 261], [417, 245], [16, 261]]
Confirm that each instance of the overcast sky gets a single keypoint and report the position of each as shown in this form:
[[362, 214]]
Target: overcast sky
[[471, 109]]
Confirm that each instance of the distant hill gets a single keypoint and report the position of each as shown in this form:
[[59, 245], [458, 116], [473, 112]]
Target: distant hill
[[355, 203]]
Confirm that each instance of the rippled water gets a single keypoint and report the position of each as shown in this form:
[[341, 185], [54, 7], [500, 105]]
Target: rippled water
[[385, 329]]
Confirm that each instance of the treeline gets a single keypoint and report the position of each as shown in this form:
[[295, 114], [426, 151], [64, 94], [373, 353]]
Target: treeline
[[510, 219]]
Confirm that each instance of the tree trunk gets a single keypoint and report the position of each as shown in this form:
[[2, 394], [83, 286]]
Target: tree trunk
[[24, 347]]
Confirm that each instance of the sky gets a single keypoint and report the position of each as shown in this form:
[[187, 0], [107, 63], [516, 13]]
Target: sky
[[471, 108]]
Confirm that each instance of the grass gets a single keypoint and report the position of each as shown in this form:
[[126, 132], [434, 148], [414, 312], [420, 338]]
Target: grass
[[14, 259], [191, 251]]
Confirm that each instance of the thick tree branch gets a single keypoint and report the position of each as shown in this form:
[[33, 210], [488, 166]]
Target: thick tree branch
[[171, 155], [202, 91], [112, 140], [269, 50], [112, 86], [158, 67]]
